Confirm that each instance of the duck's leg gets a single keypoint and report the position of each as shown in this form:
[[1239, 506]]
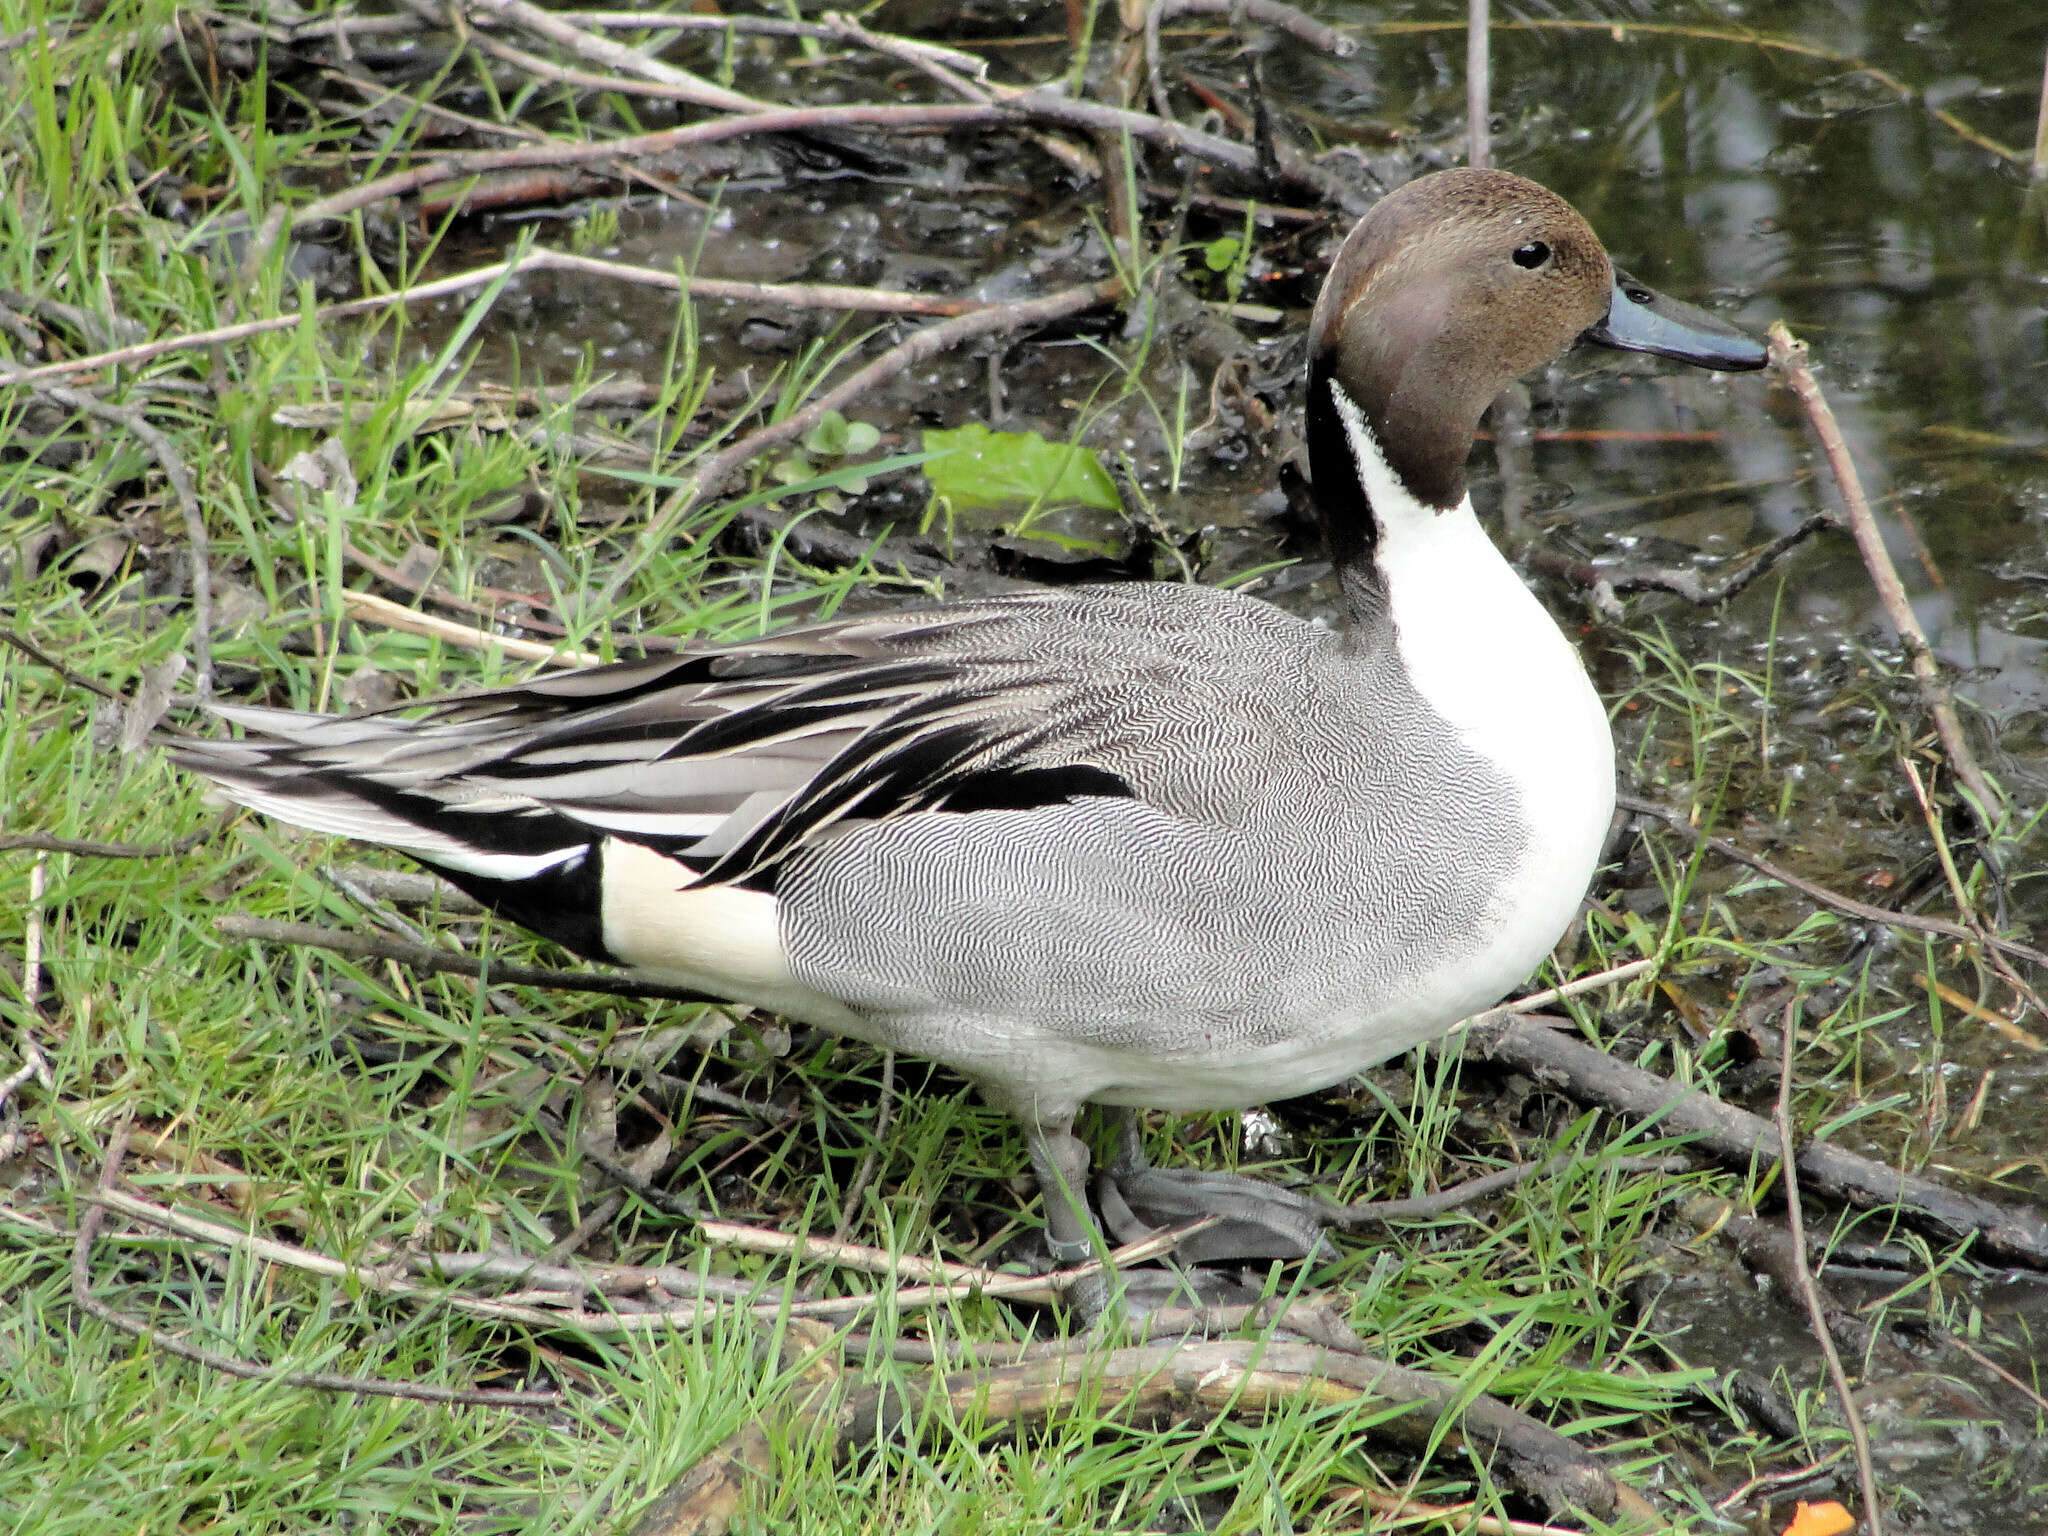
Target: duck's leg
[[1059, 1160], [1258, 1220]]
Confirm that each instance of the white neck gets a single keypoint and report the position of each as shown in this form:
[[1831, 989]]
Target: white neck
[[1483, 652]]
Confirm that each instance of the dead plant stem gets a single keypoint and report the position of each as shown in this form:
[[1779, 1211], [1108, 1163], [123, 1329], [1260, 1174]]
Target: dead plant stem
[[1809, 1293], [1789, 354]]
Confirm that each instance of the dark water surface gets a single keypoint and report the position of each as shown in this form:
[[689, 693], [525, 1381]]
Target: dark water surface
[[1766, 181]]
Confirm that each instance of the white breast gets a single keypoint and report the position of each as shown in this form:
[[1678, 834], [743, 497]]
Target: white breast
[[1491, 661]]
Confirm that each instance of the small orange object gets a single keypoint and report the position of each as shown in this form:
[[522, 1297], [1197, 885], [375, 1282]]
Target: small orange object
[[1828, 1519]]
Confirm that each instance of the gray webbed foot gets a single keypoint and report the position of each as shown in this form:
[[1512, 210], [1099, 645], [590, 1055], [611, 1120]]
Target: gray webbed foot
[[1255, 1220]]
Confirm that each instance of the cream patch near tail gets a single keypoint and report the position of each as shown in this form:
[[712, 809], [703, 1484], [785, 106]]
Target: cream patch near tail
[[721, 939]]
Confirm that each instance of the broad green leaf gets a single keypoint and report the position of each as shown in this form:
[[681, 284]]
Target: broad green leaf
[[1220, 254], [974, 467]]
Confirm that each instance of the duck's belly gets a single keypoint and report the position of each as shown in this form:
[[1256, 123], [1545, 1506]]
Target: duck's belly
[[1105, 951]]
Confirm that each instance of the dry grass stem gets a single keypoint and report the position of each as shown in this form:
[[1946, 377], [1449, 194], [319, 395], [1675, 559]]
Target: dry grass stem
[[367, 607], [1809, 1292], [1848, 906], [1788, 355]]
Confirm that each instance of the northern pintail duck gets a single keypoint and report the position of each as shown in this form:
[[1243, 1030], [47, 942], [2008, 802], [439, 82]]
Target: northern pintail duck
[[1137, 845]]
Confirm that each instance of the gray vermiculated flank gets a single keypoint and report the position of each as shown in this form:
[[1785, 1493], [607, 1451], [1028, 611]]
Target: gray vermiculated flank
[[1305, 834]]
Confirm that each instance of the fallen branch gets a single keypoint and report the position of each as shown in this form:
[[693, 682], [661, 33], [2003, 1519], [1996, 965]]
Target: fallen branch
[[367, 607], [795, 295], [43, 842], [1735, 1136], [1297, 24], [1987, 806], [1151, 1384], [1688, 584], [679, 84]]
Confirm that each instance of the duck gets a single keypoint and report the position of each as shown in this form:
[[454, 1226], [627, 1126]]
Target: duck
[[1144, 846]]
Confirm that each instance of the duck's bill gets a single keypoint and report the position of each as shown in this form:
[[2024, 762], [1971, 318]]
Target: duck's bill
[[1640, 319]]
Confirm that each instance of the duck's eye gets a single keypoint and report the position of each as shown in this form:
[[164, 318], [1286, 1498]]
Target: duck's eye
[[1532, 255]]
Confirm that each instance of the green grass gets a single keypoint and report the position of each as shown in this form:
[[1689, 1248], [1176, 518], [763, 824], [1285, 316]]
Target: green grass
[[350, 1108]]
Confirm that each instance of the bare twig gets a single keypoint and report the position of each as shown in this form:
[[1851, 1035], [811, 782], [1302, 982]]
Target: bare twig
[[1687, 584], [1203, 1380], [1478, 86], [1788, 355], [687, 87], [1848, 906], [1965, 1348], [929, 341], [109, 1197], [368, 946], [856, 1256], [366, 606], [1966, 908], [684, 1311], [43, 658], [43, 842], [1373, 1213], [885, 1105], [1809, 1293], [1297, 24], [180, 478], [33, 1063], [539, 259]]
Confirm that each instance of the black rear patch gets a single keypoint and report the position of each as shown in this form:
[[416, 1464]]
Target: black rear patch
[[564, 903]]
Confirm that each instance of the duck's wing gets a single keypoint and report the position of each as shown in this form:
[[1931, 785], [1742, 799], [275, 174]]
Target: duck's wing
[[730, 759]]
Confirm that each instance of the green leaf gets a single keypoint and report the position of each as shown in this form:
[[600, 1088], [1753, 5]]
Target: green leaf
[[828, 437], [834, 437], [1221, 254], [975, 467]]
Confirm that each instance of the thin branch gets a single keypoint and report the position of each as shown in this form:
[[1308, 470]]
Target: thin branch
[[34, 1065], [1957, 891], [539, 259], [706, 479], [1687, 584], [1848, 906], [109, 1197], [1788, 355], [1478, 86], [180, 478], [43, 658], [419, 957], [1298, 24], [673, 1313], [1374, 1213], [43, 842], [885, 1104], [602, 50], [367, 607], [1809, 1293]]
